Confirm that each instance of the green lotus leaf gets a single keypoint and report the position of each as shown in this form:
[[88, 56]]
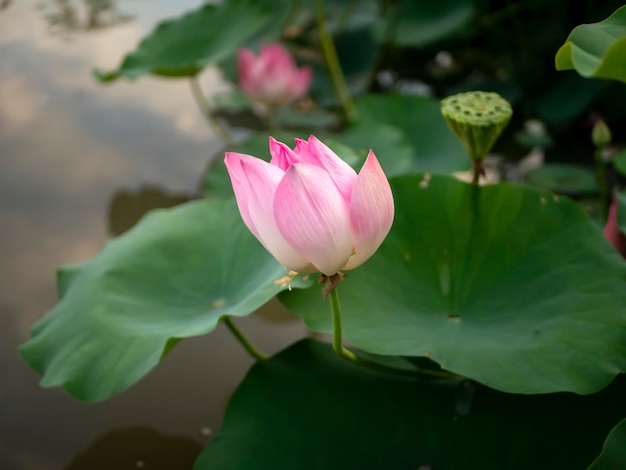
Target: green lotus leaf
[[597, 50], [184, 46], [563, 178], [422, 23], [172, 276], [508, 285], [613, 455], [305, 408], [421, 128]]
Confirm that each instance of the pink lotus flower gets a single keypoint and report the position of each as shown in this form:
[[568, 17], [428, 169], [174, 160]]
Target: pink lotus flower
[[612, 231], [273, 77], [309, 208]]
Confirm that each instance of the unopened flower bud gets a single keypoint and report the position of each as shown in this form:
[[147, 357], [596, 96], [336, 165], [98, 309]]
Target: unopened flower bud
[[600, 134], [477, 118], [310, 209], [272, 77]]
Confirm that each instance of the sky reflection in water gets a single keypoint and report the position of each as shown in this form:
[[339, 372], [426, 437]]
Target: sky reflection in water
[[68, 148]]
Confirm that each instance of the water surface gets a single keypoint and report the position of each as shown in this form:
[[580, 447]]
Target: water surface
[[78, 162]]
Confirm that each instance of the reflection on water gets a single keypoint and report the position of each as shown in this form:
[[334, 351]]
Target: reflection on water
[[79, 160], [67, 16], [130, 449], [127, 207]]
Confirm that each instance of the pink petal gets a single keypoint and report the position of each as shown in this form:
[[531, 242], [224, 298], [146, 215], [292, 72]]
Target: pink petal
[[612, 231], [239, 181], [317, 153], [254, 182], [246, 63], [300, 81], [277, 59], [371, 211], [282, 156], [312, 216]]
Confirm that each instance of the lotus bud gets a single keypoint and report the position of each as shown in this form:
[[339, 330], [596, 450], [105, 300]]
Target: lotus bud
[[309, 208], [272, 77], [600, 134]]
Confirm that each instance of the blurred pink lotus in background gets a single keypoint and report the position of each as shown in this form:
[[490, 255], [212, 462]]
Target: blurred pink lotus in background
[[272, 77], [309, 208]]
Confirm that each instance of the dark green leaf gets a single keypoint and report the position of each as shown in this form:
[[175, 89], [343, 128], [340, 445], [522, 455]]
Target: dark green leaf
[[613, 455], [569, 98], [172, 276], [389, 143], [307, 409], [563, 178], [232, 101], [619, 161], [597, 50], [184, 46], [309, 121], [511, 286], [420, 23], [434, 146]]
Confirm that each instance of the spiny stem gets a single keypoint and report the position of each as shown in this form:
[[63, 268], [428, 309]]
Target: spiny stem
[[364, 362], [334, 67], [208, 114], [245, 342]]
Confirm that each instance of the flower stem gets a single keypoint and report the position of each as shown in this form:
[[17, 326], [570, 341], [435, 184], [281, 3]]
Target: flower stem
[[332, 61], [245, 342], [208, 114], [335, 307]]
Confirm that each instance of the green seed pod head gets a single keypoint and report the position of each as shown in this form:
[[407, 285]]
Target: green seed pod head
[[477, 118]]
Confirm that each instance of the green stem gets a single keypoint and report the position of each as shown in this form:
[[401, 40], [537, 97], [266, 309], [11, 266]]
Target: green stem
[[208, 114], [332, 61], [477, 166], [245, 342], [335, 307]]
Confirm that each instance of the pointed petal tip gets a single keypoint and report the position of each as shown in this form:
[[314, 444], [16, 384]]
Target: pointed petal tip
[[371, 211]]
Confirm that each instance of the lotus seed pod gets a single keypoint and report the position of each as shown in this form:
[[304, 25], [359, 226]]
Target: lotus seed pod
[[477, 118], [600, 134]]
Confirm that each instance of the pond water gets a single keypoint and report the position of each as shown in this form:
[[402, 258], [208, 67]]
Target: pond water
[[79, 162]]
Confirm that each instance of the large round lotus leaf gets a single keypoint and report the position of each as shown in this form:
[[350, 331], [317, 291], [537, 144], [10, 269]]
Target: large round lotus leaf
[[508, 285], [422, 126], [597, 50], [182, 47], [172, 276], [307, 409]]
